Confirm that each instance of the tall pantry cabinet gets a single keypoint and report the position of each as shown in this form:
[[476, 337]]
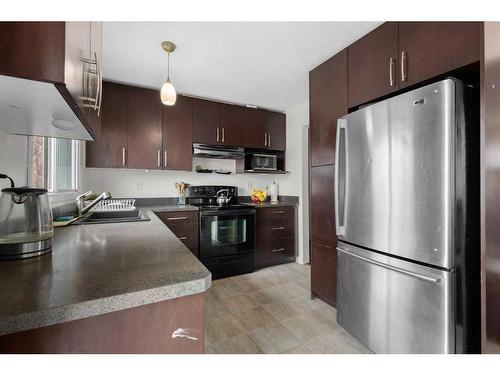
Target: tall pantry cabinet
[[327, 102]]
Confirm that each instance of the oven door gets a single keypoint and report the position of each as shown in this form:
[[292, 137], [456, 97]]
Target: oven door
[[224, 233]]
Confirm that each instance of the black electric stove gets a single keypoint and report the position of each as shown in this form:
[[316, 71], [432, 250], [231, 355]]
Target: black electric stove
[[227, 232]]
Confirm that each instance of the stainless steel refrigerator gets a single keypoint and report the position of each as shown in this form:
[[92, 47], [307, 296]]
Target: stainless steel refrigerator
[[406, 207]]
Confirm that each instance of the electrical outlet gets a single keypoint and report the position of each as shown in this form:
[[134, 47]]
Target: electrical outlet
[[139, 186]]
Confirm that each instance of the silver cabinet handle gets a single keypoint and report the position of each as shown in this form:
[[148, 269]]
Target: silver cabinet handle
[[165, 163], [182, 238], [123, 155], [278, 228], [278, 212], [265, 138], [217, 133], [277, 250], [177, 218], [391, 71], [159, 158], [223, 133], [404, 75], [340, 181], [397, 269], [268, 140]]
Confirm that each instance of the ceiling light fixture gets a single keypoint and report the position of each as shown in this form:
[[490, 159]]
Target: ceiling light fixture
[[167, 94]]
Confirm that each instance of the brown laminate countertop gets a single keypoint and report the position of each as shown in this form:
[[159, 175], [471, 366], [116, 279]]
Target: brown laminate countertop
[[96, 269]]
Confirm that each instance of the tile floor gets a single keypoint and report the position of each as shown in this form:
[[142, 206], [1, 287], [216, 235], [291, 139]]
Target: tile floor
[[270, 311]]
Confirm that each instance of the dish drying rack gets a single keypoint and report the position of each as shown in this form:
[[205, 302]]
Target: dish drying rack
[[115, 205]]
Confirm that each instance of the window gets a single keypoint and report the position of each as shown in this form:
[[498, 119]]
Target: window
[[54, 164]]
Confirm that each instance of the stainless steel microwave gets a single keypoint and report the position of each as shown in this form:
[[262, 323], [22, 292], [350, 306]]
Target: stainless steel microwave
[[264, 162]]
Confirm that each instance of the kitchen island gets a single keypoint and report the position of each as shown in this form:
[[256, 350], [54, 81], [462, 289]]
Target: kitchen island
[[105, 288]]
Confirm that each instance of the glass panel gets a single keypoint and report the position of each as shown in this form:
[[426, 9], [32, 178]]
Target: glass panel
[[38, 162], [63, 149], [228, 231]]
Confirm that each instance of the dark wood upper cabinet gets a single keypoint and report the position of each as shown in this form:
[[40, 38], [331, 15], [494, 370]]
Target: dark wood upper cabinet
[[206, 122], [429, 49], [178, 135], [373, 65], [33, 50], [54, 52], [276, 131], [144, 136], [255, 128], [327, 102], [232, 123], [109, 150]]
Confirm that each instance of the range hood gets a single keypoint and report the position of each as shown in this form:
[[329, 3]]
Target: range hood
[[46, 109], [217, 152]]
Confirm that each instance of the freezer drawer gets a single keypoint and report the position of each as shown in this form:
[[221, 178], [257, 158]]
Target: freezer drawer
[[394, 306]]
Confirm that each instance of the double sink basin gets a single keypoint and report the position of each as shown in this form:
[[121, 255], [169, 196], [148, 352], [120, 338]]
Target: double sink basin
[[102, 217]]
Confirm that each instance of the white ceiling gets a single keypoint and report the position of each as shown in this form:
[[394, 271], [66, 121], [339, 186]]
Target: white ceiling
[[260, 63]]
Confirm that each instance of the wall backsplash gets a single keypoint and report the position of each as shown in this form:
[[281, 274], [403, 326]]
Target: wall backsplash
[[140, 183]]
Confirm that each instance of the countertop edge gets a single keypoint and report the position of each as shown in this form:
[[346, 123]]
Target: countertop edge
[[87, 309]]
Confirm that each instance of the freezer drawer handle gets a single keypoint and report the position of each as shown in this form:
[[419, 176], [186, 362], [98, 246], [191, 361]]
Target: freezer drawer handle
[[397, 269]]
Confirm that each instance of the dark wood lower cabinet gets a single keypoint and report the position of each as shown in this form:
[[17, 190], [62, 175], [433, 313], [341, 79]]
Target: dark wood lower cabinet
[[144, 329], [324, 273], [184, 224], [322, 234], [275, 236]]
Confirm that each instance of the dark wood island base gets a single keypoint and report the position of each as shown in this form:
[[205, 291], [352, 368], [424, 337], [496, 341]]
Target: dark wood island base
[[174, 326]]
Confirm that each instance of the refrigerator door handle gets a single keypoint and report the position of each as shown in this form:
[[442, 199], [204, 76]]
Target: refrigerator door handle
[[340, 200], [397, 269]]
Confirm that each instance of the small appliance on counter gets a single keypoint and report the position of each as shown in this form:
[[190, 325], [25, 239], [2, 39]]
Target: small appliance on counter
[[25, 222], [227, 230]]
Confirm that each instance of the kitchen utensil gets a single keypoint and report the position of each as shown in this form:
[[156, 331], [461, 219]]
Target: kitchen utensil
[[25, 223]]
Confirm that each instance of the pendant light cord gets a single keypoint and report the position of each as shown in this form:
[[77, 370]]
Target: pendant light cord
[[168, 67]]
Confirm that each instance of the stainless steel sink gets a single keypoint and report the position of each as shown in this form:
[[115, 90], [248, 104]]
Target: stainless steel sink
[[113, 217]]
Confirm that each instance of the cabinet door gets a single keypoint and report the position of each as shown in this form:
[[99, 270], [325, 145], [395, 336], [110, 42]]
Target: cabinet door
[[206, 125], [373, 65], [434, 48], [324, 272], [144, 138], [232, 123], [95, 116], [322, 233], [327, 102], [109, 150], [178, 135], [322, 205], [255, 128], [276, 131], [33, 50]]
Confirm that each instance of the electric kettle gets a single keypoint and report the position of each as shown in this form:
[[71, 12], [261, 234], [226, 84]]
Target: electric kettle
[[25, 222]]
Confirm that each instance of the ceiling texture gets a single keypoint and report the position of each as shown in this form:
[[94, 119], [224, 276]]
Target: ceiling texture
[[259, 63]]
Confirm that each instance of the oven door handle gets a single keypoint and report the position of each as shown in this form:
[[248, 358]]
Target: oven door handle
[[227, 213]]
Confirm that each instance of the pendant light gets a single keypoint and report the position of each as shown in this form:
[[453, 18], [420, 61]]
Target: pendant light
[[167, 93]]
